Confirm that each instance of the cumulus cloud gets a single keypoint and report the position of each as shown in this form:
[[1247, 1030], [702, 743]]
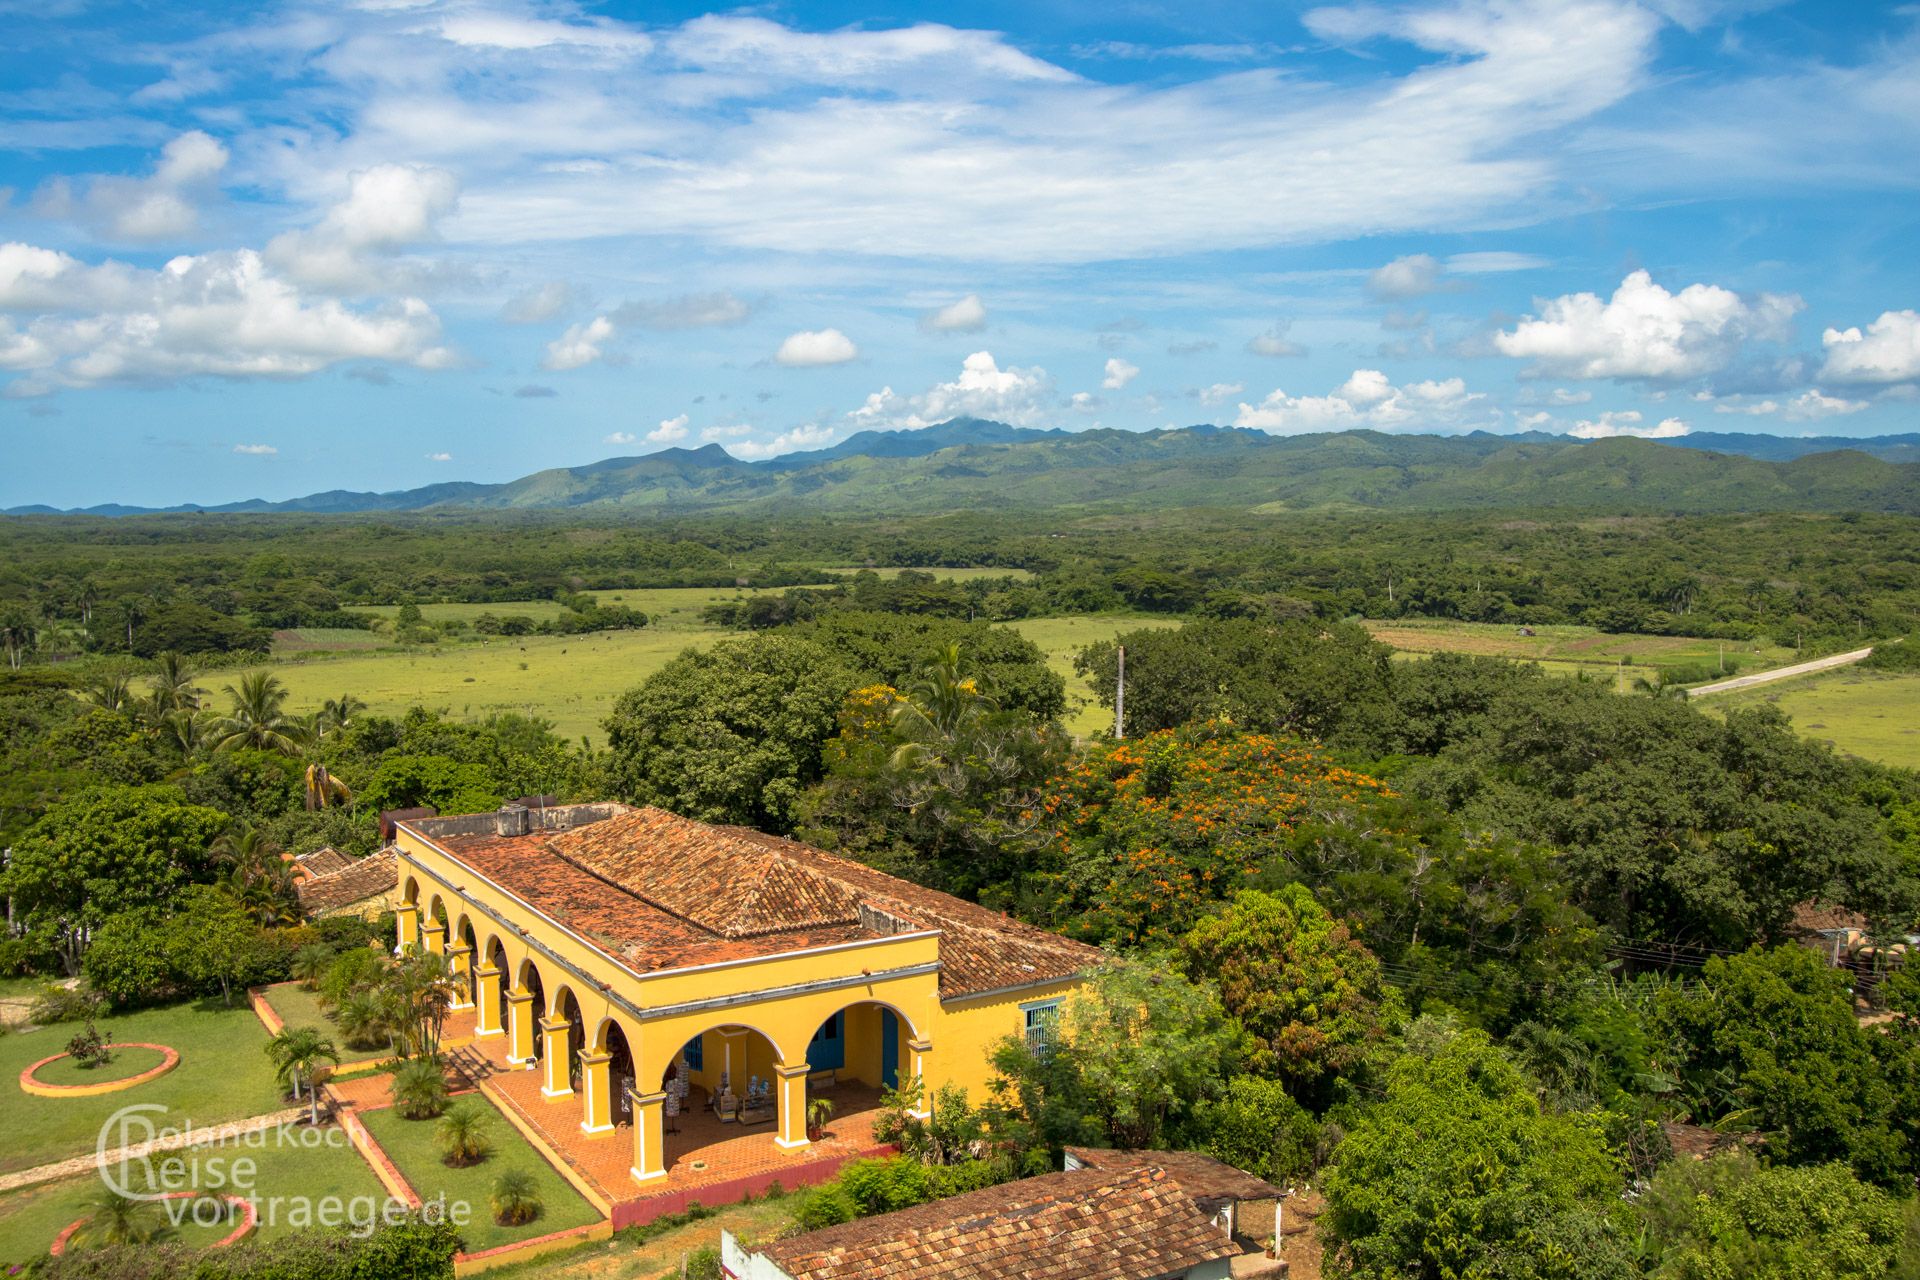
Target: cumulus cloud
[[1808, 406], [1646, 333], [726, 431], [439, 457], [1610, 425], [225, 314], [1409, 277], [983, 390], [619, 437], [388, 208], [969, 315], [810, 436], [1366, 399], [580, 345], [1274, 342], [688, 311], [669, 430], [256, 450], [811, 348], [161, 206], [1118, 374], [1889, 350], [1219, 392]]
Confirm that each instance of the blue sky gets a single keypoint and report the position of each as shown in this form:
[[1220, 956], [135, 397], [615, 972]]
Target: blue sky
[[267, 250]]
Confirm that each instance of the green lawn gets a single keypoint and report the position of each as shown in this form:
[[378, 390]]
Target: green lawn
[[223, 1075], [410, 1144], [125, 1062], [1061, 638], [1870, 714], [288, 1173], [299, 1007]]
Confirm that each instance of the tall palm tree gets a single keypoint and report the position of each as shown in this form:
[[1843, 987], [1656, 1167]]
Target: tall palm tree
[[339, 712], [298, 1053], [17, 634], [937, 708], [258, 718], [258, 874], [110, 692], [173, 686], [188, 730]]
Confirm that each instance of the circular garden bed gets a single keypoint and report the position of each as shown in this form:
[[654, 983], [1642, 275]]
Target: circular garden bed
[[244, 1213], [132, 1064]]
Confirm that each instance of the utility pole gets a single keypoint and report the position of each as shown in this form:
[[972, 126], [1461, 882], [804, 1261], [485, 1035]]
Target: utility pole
[[1120, 694]]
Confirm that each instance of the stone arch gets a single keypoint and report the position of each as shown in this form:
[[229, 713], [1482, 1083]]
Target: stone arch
[[410, 894], [611, 1038], [528, 981], [566, 1005], [493, 955], [659, 1056], [865, 1039]]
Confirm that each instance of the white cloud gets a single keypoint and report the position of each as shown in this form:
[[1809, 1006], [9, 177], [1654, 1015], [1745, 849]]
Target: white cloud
[[580, 345], [1645, 332], [225, 314], [1118, 374], [1274, 342], [256, 450], [969, 315], [1367, 399], [1220, 392], [669, 430], [1808, 406], [538, 305], [688, 311], [1889, 350], [1408, 277], [812, 348], [1610, 425], [162, 206], [619, 437], [1488, 263], [387, 208], [439, 457], [726, 431], [983, 390], [810, 436]]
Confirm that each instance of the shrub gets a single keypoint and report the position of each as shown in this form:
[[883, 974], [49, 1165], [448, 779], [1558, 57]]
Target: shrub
[[516, 1198], [413, 1248], [884, 1185], [826, 1205], [463, 1136], [702, 1264], [129, 961], [92, 1047], [1259, 1127], [420, 1089], [64, 1004]]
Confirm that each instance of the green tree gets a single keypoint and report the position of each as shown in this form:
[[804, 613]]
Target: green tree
[[256, 716], [298, 1055], [1297, 979], [213, 939], [1459, 1172], [1256, 1125], [729, 734], [1729, 1218], [105, 851], [404, 781]]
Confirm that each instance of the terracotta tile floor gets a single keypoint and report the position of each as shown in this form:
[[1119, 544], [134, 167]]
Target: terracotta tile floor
[[702, 1152]]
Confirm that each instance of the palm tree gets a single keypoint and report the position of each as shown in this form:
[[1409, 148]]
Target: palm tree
[[363, 1020], [339, 712], [516, 1198], [257, 718], [463, 1137], [173, 686], [17, 634], [309, 962], [122, 1219], [423, 988], [188, 730], [298, 1053], [420, 1089], [110, 692]]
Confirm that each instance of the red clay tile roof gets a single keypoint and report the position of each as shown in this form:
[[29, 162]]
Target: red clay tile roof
[[1210, 1182], [1086, 1225], [322, 862], [659, 891], [362, 878]]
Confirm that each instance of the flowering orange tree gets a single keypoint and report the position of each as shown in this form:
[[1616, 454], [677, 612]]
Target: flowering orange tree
[[1149, 834]]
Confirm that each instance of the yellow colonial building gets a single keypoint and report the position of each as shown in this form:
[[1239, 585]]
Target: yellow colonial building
[[648, 966]]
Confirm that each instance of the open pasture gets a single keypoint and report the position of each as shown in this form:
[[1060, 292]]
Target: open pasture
[[1871, 714], [1570, 648]]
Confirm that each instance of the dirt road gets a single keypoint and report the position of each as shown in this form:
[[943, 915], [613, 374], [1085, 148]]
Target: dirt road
[[1780, 673]]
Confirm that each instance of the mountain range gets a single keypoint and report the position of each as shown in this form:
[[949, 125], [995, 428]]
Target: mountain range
[[974, 464]]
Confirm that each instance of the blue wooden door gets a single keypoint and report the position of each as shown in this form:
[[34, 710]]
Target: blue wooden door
[[889, 1049]]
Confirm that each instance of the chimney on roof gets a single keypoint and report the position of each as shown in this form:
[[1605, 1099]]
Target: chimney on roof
[[511, 820]]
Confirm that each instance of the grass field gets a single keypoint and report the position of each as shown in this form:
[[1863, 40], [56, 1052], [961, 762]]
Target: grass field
[[410, 1143], [1870, 714], [286, 1168], [223, 1075], [1572, 648], [1061, 638], [299, 1007]]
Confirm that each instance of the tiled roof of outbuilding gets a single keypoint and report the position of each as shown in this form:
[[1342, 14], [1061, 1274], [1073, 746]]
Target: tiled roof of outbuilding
[[360, 879], [1210, 1182], [659, 891], [1085, 1225]]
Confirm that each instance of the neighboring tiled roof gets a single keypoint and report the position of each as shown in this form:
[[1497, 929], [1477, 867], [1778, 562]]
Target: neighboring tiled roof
[[1086, 1225], [660, 891], [362, 878], [322, 862], [1210, 1182]]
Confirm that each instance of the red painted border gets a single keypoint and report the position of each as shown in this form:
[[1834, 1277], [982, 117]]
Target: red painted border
[[169, 1059], [249, 1219]]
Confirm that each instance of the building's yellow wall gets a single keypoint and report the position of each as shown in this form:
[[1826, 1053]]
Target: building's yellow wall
[[962, 1033]]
